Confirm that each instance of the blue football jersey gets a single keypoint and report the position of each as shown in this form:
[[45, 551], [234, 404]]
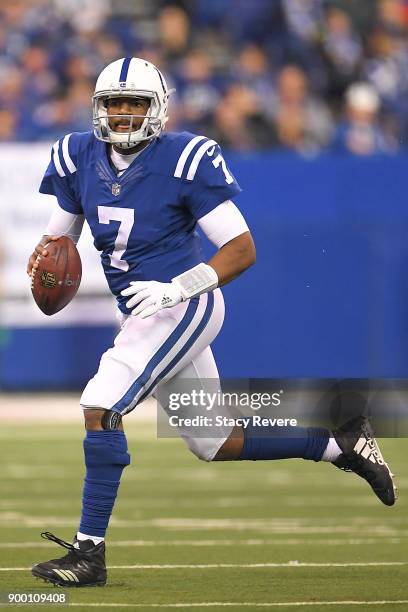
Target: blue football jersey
[[142, 222]]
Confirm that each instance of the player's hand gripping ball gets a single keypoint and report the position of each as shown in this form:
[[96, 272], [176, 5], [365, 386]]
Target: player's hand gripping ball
[[55, 278]]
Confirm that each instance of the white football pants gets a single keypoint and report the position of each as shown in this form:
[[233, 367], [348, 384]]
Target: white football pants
[[148, 353]]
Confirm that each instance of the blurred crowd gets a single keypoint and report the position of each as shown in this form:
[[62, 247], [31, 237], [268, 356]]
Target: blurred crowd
[[304, 75]]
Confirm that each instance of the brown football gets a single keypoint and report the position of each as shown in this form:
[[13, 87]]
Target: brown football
[[58, 276]]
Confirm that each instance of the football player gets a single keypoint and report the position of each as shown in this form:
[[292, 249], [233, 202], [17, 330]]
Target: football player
[[143, 192]]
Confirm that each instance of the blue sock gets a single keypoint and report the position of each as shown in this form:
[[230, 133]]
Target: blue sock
[[262, 443], [105, 458]]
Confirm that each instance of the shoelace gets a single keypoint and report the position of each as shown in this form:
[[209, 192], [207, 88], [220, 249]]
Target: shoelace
[[50, 536]]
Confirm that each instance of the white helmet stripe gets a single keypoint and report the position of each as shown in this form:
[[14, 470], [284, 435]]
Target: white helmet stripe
[[186, 152], [65, 153], [197, 158], [56, 159]]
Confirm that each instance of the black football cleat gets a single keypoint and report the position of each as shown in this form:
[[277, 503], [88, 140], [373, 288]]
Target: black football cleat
[[362, 456], [84, 565]]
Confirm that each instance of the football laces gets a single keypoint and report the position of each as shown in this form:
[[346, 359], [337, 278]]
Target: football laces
[[34, 270]]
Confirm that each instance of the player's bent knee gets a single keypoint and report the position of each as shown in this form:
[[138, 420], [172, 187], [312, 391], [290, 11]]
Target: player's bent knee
[[111, 420], [203, 448], [93, 418], [97, 419], [232, 448], [197, 451]]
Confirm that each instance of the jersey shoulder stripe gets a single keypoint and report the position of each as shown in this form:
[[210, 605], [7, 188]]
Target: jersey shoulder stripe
[[72, 152], [56, 159], [62, 158], [182, 160], [65, 154], [191, 154], [210, 144]]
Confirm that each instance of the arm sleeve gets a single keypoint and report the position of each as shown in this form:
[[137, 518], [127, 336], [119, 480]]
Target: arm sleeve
[[223, 223], [61, 183], [63, 223], [209, 181]]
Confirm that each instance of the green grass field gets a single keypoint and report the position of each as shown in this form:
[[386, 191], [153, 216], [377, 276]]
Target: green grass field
[[189, 535]]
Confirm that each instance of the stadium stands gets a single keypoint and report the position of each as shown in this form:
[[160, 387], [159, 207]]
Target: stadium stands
[[255, 75]]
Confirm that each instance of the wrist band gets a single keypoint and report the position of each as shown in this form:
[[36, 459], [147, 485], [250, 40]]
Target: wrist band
[[196, 281]]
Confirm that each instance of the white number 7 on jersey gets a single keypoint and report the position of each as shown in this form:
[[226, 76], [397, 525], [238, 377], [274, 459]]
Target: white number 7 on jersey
[[126, 216]]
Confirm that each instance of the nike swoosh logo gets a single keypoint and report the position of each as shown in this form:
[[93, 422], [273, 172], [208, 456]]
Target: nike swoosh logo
[[210, 152]]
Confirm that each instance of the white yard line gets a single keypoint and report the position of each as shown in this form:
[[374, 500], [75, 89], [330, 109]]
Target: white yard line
[[289, 564], [358, 526], [122, 524], [261, 565], [12, 472], [222, 543]]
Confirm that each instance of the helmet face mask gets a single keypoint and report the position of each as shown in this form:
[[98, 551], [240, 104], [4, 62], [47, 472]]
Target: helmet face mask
[[143, 80]]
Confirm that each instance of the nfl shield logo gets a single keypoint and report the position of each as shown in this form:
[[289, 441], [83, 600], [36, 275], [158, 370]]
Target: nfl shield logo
[[48, 280], [115, 189]]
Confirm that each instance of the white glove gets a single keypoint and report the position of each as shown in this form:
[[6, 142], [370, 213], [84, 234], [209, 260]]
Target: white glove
[[151, 296]]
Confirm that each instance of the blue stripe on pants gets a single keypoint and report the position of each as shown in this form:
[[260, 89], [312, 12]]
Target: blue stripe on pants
[[194, 336], [165, 348]]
